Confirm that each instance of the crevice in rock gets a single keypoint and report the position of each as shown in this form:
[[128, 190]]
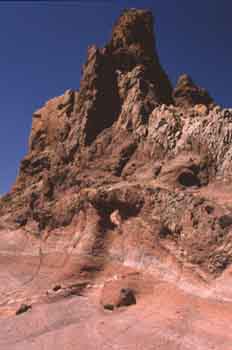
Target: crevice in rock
[[188, 179], [107, 105]]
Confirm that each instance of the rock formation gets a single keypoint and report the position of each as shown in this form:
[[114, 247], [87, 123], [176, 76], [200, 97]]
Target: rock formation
[[126, 179], [186, 93]]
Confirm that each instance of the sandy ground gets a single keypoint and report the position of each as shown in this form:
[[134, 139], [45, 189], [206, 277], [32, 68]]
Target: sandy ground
[[167, 317]]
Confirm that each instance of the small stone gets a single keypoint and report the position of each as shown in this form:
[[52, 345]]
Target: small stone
[[23, 308], [127, 297], [56, 288], [109, 307]]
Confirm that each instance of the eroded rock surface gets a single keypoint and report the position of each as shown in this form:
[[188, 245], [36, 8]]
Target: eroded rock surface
[[125, 177], [188, 94]]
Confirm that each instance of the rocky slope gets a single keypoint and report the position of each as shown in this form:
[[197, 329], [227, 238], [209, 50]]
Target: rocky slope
[[124, 195]]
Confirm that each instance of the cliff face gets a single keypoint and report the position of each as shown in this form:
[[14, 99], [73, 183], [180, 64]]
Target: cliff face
[[127, 170], [121, 84], [125, 128]]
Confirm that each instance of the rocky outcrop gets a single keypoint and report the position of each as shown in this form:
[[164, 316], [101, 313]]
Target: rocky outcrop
[[133, 44], [125, 173], [118, 130], [188, 94]]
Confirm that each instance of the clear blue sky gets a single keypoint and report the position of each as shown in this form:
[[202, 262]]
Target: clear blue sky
[[43, 45]]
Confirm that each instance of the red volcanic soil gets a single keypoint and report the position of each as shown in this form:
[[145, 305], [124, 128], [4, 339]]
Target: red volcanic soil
[[166, 316]]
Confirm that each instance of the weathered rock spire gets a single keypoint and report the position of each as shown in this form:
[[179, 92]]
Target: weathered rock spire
[[133, 44], [188, 94], [134, 32]]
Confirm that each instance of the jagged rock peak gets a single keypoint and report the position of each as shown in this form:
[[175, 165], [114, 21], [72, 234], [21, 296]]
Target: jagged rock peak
[[133, 44], [188, 94], [185, 80], [134, 31]]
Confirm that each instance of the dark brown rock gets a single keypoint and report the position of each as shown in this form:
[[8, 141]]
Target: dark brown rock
[[56, 288], [127, 297], [22, 309], [188, 94], [119, 293], [133, 44], [134, 31]]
